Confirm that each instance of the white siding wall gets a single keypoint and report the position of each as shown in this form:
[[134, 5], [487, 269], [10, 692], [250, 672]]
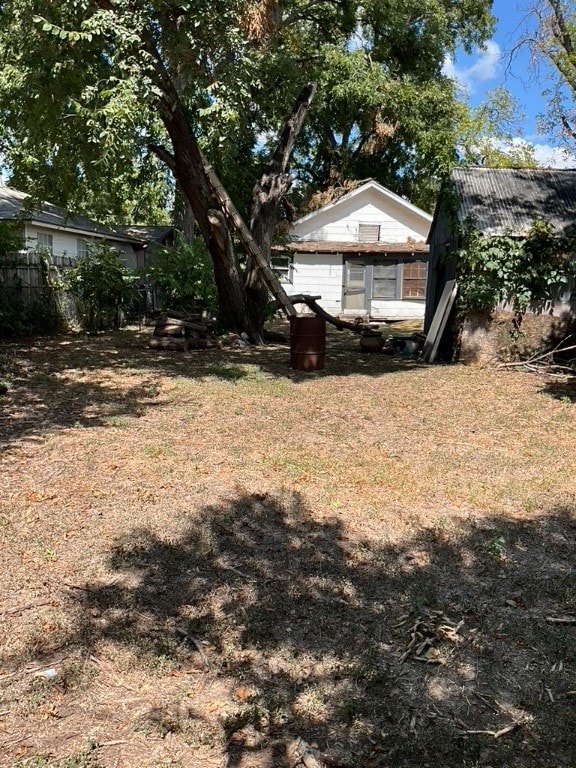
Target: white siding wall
[[319, 274], [340, 222], [64, 243], [398, 310]]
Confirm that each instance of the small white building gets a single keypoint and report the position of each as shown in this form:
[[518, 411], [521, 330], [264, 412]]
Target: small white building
[[365, 254]]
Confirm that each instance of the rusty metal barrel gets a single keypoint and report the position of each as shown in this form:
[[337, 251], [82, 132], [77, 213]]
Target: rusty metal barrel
[[307, 342]]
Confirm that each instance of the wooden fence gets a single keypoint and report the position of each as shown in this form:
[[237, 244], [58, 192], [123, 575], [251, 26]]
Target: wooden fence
[[35, 277]]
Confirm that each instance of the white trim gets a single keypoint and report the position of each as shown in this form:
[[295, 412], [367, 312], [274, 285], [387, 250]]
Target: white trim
[[86, 232], [359, 190]]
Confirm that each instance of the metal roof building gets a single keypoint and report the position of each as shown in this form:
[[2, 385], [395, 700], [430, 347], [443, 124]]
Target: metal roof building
[[509, 200]]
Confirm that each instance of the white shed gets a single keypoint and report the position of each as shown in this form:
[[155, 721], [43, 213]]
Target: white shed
[[364, 254]]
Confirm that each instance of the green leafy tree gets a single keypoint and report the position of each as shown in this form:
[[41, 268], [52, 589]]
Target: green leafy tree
[[103, 287], [487, 133], [182, 275], [89, 87], [551, 35]]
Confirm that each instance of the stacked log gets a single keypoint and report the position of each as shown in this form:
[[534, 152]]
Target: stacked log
[[188, 332]]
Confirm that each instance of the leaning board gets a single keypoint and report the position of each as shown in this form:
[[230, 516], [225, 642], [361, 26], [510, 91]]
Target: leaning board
[[439, 321]]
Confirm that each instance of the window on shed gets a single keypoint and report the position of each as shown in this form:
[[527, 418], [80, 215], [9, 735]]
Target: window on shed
[[368, 233], [385, 281], [414, 280], [45, 242]]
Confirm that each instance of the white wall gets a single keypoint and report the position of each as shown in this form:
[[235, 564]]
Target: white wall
[[318, 274], [339, 223], [398, 310], [65, 243]]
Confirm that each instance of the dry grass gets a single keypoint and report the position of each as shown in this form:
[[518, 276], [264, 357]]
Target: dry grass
[[216, 554]]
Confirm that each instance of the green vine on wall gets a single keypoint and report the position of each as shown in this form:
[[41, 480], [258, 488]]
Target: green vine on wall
[[524, 272]]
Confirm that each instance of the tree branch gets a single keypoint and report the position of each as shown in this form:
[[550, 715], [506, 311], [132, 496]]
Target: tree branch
[[166, 157]]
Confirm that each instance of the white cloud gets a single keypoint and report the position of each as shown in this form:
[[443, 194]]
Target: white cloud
[[553, 157], [545, 155], [484, 67]]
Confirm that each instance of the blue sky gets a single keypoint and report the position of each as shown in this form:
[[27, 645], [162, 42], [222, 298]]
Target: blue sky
[[504, 63]]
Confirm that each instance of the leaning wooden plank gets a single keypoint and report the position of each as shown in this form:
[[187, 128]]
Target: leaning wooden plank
[[439, 321], [248, 241]]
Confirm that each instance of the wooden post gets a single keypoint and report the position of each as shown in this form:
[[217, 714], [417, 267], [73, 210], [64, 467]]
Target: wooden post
[[248, 241]]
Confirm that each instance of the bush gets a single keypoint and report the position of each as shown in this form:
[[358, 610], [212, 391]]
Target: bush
[[103, 286], [183, 277]]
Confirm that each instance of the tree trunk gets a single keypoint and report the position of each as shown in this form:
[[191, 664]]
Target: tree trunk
[[187, 166], [267, 195], [183, 216]]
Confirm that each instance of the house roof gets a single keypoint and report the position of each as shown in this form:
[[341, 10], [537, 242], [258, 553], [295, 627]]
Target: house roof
[[509, 200], [324, 246], [149, 234], [369, 185], [15, 205]]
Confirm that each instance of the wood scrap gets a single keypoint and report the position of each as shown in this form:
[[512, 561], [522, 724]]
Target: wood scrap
[[561, 619], [300, 753], [427, 633], [494, 734]]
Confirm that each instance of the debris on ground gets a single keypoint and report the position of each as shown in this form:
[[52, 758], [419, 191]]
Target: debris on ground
[[175, 330], [427, 636]]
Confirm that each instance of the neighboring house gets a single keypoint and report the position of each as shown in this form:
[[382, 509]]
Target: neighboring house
[[364, 254], [498, 201], [151, 240], [64, 235]]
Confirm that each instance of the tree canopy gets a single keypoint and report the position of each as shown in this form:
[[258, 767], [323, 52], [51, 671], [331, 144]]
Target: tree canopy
[[552, 38], [99, 97]]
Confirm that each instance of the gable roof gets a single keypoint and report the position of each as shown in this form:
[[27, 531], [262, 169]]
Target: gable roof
[[509, 200], [385, 193], [15, 205], [151, 234]]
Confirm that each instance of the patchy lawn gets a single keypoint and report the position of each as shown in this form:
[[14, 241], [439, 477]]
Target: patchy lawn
[[212, 560]]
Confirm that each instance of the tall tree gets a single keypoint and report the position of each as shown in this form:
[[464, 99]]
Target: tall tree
[[489, 134], [551, 34], [87, 86]]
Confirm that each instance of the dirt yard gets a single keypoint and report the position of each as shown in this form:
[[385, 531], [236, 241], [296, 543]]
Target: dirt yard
[[209, 559]]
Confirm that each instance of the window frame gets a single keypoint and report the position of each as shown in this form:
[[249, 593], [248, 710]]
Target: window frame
[[420, 263], [45, 246], [283, 271], [399, 278]]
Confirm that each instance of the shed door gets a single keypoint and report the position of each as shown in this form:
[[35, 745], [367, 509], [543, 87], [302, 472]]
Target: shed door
[[355, 285]]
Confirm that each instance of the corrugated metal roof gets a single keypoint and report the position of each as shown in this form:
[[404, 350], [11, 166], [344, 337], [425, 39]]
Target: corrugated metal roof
[[13, 207], [508, 200]]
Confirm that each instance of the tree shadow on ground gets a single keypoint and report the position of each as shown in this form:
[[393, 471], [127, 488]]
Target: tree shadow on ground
[[59, 382], [436, 651], [562, 389]]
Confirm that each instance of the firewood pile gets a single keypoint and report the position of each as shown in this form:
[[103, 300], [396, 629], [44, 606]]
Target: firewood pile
[[178, 331]]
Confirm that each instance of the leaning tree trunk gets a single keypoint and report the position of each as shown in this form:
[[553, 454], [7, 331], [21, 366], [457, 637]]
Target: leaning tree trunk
[[267, 195], [187, 165]]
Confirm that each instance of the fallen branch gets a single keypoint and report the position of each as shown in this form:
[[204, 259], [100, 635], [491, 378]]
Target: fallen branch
[[310, 301], [110, 743], [494, 734], [541, 357], [13, 611], [561, 619]]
